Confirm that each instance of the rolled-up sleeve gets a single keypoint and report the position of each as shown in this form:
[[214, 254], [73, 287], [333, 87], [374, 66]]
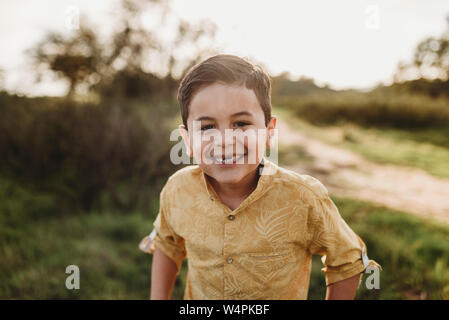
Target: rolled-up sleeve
[[163, 237], [343, 253]]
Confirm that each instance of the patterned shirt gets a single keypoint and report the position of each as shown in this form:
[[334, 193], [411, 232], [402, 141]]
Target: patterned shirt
[[263, 248]]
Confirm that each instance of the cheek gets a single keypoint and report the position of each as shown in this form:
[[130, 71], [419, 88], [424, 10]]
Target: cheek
[[199, 145], [247, 139], [202, 150], [255, 142]]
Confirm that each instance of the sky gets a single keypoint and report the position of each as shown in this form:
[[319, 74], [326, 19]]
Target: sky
[[345, 44]]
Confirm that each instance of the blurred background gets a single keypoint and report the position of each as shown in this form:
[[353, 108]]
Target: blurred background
[[88, 101]]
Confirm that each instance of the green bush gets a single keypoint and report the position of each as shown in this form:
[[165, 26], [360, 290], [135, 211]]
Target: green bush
[[370, 109], [84, 152]]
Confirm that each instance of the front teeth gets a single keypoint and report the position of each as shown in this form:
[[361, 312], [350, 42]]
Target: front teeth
[[230, 160], [225, 160]]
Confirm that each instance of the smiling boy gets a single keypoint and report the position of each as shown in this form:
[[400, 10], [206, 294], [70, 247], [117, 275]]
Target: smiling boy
[[247, 226]]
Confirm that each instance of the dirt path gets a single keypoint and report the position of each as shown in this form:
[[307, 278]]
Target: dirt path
[[345, 173]]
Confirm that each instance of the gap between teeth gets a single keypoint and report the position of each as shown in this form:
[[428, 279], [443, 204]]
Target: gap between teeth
[[227, 160]]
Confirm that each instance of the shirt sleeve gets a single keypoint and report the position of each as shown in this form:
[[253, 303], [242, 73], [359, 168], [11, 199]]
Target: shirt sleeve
[[163, 237], [343, 253]]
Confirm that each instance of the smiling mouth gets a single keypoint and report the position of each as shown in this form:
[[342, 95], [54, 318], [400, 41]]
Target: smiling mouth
[[227, 160]]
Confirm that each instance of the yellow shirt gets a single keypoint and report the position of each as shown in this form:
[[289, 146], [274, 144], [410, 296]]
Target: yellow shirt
[[263, 248]]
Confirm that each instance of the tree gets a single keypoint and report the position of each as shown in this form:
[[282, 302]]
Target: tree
[[431, 60], [134, 53], [75, 59]]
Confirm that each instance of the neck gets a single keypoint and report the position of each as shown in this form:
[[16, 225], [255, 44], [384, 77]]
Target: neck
[[239, 190]]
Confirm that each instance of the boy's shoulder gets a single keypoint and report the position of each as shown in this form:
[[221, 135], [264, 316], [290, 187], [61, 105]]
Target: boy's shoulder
[[189, 177], [184, 177], [303, 183]]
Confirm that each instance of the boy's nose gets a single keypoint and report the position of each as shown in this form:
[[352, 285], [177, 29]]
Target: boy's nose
[[224, 147], [225, 137], [224, 143]]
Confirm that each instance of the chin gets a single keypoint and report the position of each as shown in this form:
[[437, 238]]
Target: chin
[[228, 175]]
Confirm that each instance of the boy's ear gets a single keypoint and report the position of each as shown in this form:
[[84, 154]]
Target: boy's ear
[[273, 122], [185, 137], [270, 127]]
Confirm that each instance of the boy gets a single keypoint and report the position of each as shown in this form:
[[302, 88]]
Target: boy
[[248, 226]]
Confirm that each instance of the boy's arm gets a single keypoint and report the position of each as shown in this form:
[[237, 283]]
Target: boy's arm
[[168, 249], [343, 252], [344, 289], [163, 276]]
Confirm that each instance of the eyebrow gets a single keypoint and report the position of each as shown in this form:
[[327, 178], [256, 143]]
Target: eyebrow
[[241, 113]]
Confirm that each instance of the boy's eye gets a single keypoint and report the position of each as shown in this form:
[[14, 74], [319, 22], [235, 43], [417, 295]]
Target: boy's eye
[[206, 127], [210, 126], [242, 124]]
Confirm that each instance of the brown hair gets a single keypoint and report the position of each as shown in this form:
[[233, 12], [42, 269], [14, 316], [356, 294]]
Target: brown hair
[[229, 69]]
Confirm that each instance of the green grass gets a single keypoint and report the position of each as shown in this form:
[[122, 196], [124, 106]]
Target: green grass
[[423, 149], [413, 252], [39, 242]]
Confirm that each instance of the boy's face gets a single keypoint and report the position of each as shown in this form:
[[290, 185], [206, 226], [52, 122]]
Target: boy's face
[[226, 131]]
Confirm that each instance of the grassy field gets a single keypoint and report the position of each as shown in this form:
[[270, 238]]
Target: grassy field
[[38, 242], [426, 149]]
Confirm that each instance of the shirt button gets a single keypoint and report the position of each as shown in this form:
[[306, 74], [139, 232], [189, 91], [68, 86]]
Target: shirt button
[[231, 217], [229, 260]]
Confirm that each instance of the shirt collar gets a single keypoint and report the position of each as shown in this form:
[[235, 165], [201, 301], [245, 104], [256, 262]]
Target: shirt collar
[[266, 170]]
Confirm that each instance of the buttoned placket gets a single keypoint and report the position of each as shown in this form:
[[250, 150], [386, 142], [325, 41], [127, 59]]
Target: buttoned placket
[[230, 232]]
